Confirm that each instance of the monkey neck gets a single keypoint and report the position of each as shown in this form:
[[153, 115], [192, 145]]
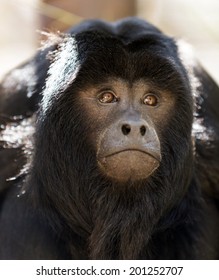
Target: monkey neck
[[128, 226], [123, 223], [120, 238]]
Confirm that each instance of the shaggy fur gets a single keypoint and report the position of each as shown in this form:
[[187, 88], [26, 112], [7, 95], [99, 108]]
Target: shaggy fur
[[56, 203]]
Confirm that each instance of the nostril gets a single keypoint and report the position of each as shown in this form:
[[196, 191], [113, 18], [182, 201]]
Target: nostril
[[142, 130], [126, 128]]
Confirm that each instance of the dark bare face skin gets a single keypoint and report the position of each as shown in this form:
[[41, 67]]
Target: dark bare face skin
[[126, 123]]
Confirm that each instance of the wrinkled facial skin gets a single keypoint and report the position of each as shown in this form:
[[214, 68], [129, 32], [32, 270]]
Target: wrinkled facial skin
[[126, 121]]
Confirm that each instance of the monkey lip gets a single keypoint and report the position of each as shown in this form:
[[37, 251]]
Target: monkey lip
[[153, 153], [130, 164]]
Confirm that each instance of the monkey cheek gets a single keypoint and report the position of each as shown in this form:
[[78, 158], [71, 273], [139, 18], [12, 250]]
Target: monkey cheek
[[128, 166]]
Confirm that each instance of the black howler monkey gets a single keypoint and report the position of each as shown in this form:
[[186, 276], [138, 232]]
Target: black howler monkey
[[109, 149]]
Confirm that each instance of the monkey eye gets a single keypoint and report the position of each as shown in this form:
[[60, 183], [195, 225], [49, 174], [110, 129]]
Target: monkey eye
[[107, 97], [150, 100]]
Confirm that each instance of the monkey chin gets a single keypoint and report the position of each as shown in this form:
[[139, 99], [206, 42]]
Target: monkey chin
[[128, 165]]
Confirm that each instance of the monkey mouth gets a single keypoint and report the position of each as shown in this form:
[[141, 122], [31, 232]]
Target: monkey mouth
[[153, 153], [129, 164]]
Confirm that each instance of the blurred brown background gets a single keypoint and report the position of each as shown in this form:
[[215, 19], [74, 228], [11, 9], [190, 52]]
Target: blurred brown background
[[195, 21]]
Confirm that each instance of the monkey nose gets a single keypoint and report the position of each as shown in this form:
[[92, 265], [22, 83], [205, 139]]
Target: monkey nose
[[134, 128]]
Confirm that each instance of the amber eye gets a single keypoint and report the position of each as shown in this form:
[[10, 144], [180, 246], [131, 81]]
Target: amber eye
[[107, 97], [150, 100]]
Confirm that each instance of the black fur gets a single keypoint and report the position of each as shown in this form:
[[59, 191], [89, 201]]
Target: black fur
[[57, 203]]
